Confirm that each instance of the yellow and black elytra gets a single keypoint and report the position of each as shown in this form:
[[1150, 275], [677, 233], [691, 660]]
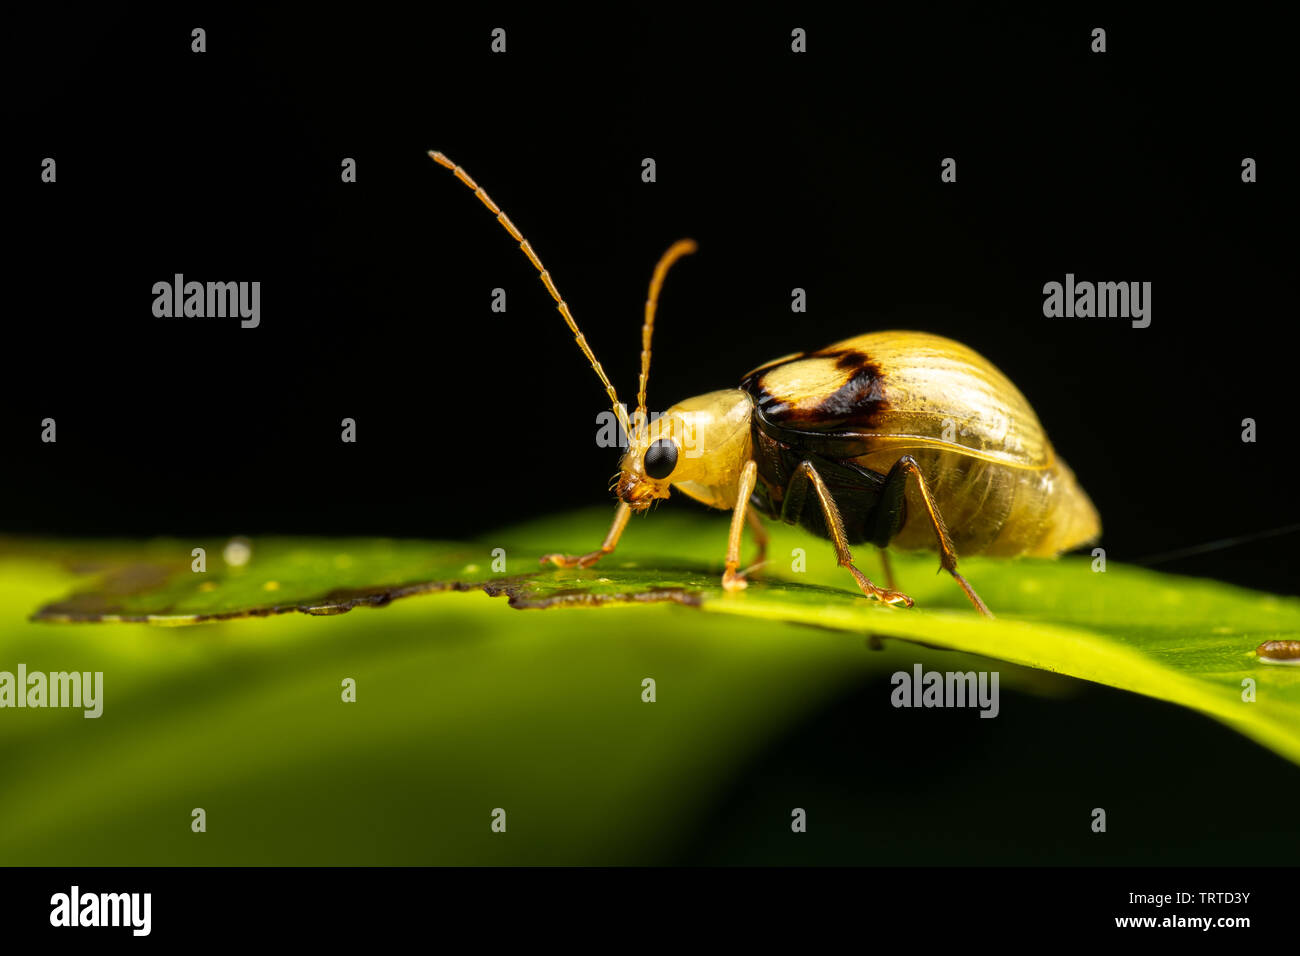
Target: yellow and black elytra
[[899, 438]]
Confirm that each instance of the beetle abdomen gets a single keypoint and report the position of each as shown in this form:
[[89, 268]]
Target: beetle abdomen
[[870, 400], [994, 509]]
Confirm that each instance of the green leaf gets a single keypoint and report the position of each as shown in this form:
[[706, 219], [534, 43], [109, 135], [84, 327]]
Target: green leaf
[[1183, 640], [465, 705]]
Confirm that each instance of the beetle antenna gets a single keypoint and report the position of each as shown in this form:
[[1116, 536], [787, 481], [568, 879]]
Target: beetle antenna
[[682, 247], [560, 304]]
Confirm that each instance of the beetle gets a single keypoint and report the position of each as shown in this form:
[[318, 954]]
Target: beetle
[[894, 437]]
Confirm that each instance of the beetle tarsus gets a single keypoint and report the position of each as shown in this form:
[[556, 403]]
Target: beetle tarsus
[[591, 557], [876, 592], [573, 560], [733, 580]]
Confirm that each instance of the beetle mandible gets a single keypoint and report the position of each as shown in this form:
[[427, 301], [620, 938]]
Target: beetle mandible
[[901, 438]]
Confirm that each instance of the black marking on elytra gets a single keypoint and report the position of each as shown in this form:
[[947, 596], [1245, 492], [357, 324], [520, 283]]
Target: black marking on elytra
[[860, 401], [853, 361], [845, 359]]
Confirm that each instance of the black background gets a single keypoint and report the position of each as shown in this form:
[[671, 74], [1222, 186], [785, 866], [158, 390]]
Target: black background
[[818, 170]]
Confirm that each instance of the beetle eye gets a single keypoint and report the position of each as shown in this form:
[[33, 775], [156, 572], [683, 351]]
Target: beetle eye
[[661, 458]]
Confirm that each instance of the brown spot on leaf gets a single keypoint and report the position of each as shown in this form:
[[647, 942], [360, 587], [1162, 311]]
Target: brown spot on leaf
[[582, 597], [105, 605]]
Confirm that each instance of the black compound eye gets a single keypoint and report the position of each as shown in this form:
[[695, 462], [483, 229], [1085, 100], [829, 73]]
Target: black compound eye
[[661, 458]]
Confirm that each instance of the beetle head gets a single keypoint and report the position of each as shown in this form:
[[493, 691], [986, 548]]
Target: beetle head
[[653, 454], [699, 445]]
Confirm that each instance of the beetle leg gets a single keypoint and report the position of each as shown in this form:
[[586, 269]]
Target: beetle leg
[[807, 473], [760, 535], [887, 568], [897, 478], [731, 580], [591, 557]]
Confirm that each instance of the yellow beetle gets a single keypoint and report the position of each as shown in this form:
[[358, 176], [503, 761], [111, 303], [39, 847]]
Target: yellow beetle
[[900, 438]]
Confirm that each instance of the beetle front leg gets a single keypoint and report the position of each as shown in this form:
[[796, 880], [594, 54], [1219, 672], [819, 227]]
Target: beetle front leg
[[591, 557], [732, 580], [760, 535]]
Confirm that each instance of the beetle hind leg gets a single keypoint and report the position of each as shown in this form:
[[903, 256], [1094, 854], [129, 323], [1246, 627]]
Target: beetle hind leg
[[888, 569], [806, 476], [890, 514]]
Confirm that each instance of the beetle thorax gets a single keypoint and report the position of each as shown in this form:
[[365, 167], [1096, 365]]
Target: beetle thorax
[[699, 446]]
